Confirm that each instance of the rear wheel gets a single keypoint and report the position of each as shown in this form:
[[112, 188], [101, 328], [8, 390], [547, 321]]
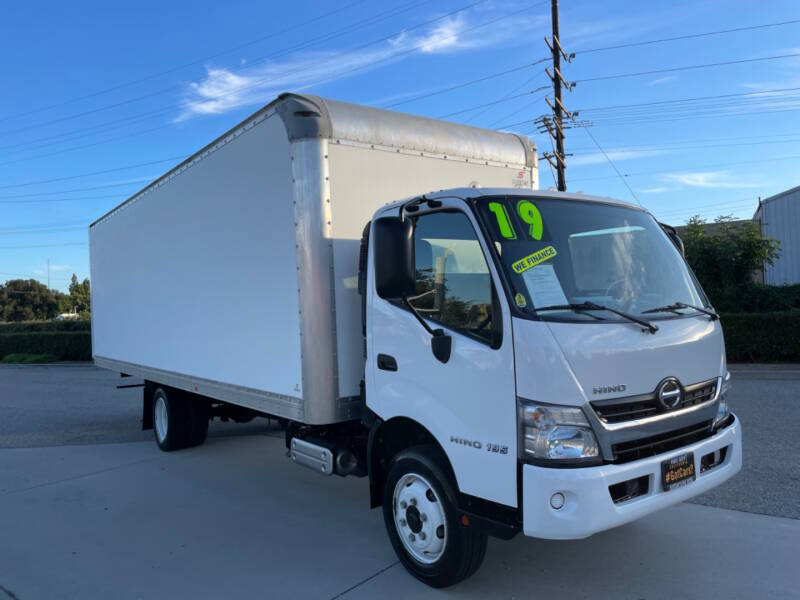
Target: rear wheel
[[179, 420], [419, 509]]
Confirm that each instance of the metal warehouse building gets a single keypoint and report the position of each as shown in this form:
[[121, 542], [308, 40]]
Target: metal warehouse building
[[779, 219]]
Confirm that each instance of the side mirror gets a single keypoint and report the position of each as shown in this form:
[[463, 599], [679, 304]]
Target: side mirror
[[441, 345], [393, 247], [672, 234]]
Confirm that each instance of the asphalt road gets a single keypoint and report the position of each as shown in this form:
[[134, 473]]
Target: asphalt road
[[77, 403], [43, 405], [89, 508]]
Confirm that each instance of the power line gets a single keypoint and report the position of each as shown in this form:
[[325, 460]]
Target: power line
[[508, 95], [325, 37], [695, 167], [86, 189], [688, 36], [44, 245], [90, 130], [120, 86], [704, 208], [613, 166], [690, 99], [726, 106], [654, 118], [688, 67], [35, 231], [492, 103], [737, 201], [467, 83], [526, 106], [43, 225], [260, 82], [91, 145], [49, 200], [659, 149], [698, 140], [688, 117], [103, 172]]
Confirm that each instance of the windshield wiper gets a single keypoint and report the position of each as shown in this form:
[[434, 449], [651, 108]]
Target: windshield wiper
[[584, 306], [678, 305]]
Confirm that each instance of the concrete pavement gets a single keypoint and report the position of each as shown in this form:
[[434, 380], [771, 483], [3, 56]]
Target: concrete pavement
[[235, 518], [89, 508]]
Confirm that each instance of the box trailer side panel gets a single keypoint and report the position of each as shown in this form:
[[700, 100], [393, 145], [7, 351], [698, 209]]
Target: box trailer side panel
[[194, 281], [363, 178]]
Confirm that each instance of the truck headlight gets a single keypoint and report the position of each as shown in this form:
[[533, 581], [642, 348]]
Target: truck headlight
[[556, 434], [722, 408]]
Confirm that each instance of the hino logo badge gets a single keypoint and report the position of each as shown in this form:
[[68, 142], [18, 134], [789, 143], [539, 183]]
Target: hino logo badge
[[669, 393], [608, 389], [471, 443]]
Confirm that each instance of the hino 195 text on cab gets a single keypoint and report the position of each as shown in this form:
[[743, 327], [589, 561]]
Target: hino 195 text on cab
[[397, 293]]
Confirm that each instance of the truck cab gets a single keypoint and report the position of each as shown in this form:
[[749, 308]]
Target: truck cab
[[556, 361]]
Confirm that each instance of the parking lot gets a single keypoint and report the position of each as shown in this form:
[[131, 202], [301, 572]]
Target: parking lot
[[91, 509]]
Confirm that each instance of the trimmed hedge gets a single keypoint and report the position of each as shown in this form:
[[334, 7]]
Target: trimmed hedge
[[64, 345], [749, 337], [42, 326], [762, 337], [758, 298]]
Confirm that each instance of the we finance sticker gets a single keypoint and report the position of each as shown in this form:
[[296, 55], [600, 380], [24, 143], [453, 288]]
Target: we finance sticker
[[534, 259]]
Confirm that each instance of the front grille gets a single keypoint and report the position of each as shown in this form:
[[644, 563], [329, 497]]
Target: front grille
[[658, 444], [619, 410], [626, 411]]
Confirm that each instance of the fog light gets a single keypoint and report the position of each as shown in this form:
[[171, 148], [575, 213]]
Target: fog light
[[557, 500]]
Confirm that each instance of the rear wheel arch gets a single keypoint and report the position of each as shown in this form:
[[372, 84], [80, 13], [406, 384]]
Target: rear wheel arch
[[387, 439]]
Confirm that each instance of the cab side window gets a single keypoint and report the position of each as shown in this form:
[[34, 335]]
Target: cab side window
[[453, 282]]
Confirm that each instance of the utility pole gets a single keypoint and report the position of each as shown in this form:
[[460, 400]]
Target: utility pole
[[555, 127]]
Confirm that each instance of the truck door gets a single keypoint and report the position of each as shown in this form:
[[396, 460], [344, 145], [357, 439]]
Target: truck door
[[467, 403]]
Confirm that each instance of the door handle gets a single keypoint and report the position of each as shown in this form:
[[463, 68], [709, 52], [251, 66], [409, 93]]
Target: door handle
[[386, 362]]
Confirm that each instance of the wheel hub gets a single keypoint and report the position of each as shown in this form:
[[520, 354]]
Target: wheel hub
[[419, 518], [413, 520]]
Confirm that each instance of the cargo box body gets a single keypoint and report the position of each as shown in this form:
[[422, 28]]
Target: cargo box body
[[234, 275]]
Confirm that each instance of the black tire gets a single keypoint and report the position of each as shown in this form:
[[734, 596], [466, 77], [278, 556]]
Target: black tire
[[183, 420], [464, 548]]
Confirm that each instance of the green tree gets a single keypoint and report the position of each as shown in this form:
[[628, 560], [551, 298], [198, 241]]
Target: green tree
[[28, 300], [80, 295], [725, 255]]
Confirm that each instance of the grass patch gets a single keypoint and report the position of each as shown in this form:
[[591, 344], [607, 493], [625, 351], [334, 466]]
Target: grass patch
[[28, 359]]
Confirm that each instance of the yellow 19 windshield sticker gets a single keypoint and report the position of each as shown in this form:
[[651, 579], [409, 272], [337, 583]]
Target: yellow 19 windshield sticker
[[534, 259]]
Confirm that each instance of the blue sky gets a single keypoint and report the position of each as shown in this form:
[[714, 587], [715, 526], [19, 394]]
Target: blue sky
[[98, 86]]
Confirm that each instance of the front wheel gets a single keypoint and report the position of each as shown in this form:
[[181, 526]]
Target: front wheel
[[422, 521]]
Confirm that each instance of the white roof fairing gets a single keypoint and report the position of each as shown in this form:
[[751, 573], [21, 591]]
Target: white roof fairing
[[400, 130]]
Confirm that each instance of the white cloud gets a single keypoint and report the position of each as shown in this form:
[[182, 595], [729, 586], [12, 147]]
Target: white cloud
[[710, 179], [446, 36], [661, 80], [222, 89], [654, 190], [595, 158]]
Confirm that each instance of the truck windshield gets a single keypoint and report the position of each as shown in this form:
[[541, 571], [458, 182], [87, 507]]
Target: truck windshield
[[560, 252]]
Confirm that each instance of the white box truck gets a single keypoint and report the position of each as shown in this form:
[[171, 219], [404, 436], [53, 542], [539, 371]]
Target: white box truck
[[396, 291]]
